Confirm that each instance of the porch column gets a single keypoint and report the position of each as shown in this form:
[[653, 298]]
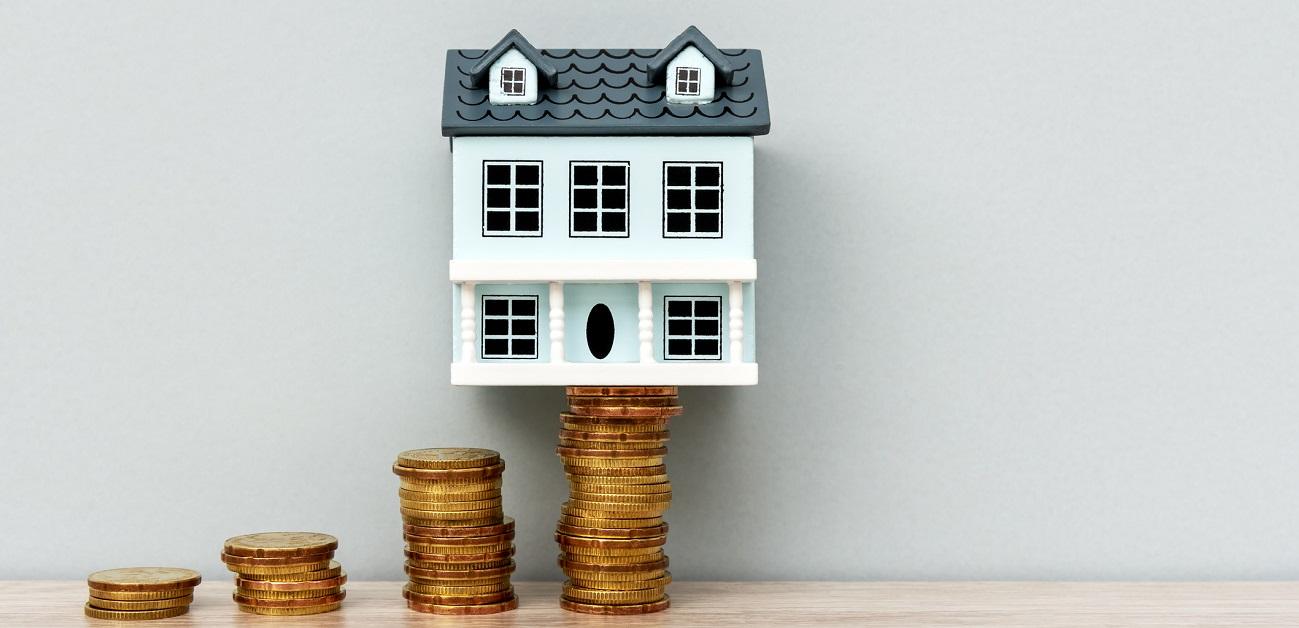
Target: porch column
[[645, 314], [468, 348], [556, 321], [737, 321]]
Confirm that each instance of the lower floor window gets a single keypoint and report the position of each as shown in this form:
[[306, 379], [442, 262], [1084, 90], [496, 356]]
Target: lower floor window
[[510, 327], [693, 328]]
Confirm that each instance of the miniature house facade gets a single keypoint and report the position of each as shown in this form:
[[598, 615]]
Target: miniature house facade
[[603, 213]]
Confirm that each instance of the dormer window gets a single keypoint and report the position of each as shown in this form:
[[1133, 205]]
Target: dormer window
[[514, 81], [688, 81]]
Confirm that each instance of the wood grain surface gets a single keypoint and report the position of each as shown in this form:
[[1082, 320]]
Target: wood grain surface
[[911, 604]]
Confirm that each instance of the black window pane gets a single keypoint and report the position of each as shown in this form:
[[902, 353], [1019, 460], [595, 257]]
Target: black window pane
[[614, 175], [679, 347], [496, 327], [527, 221], [527, 197], [615, 222], [708, 175], [525, 326], [614, 199], [496, 307], [498, 221], [584, 221], [707, 199], [584, 199], [678, 199], [523, 307], [706, 308], [496, 347], [678, 223], [678, 175], [708, 223], [705, 348], [678, 308], [528, 174], [524, 348], [498, 175], [584, 175], [679, 327], [706, 328], [498, 197]]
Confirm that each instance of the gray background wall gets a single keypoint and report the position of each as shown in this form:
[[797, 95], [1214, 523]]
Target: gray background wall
[[1028, 301]]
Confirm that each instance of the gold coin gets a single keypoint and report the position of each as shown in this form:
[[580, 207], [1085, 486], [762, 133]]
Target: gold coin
[[624, 585], [458, 541], [482, 504], [272, 544], [468, 523], [453, 498], [598, 463], [260, 594], [476, 609], [568, 563], [577, 403], [284, 612], [621, 498], [490, 557], [440, 576], [600, 596], [99, 613], [611, 534], [594, 522], [600, 446], [480, 589], [304, 585], [621, 391], [459, 550], [628, 411], [583, 420], [581, 482], [276, 561], [578, 551], [505, 526], [578, 473], [140, 605], [615, 609], [137, 596], [613, 559], [442, 486], [474, 474], [333, 570], [278, 570], [144, 579], [568, 541], [613, 511], [244, 600], [439, 565], [597, 486], [458, 582], [614, 579], [618, 427], [457, 600], [585, 453], [615, 437], [454, 515], [448, 458]]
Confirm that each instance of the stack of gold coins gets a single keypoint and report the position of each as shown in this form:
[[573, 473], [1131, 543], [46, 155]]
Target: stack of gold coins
[[135, 593], [285, 573], [611, 533], [459, 543]]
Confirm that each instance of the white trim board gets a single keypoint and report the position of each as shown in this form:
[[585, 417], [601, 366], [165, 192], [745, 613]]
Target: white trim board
[[603, 270], [597, 374]]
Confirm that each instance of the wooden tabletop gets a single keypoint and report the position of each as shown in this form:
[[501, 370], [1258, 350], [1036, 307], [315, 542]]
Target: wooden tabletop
[[754, 604]]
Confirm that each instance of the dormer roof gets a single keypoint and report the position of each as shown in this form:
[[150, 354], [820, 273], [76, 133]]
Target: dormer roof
[[547, 73], [691, 37]]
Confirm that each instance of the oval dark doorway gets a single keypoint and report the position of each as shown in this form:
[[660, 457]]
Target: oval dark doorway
[[599, 331]]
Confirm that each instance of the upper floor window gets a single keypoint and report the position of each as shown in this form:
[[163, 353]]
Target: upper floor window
[[513, 81], [692, 199], [598, 195], [512, 198], [687, 81]]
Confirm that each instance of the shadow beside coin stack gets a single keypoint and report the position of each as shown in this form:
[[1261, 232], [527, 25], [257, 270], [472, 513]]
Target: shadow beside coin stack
[[459, 543], [611, 533], [285, 573], [138, 593]]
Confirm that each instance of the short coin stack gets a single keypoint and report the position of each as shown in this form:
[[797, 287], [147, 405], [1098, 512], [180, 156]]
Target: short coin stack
[[285, 573], [136, 593], [611, 533], [459, 543]]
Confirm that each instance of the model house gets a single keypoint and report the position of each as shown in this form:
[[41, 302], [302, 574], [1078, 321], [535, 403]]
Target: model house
[[603, 213]]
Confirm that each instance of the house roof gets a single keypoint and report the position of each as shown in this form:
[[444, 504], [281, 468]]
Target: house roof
[[614, 91], [514, 39]]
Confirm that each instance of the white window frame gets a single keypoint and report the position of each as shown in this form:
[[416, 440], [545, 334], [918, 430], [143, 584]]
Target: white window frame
[[513, 186], [600, 188], [689, 77], [693, 188], [693, 336], [510, 317], [514, 85]]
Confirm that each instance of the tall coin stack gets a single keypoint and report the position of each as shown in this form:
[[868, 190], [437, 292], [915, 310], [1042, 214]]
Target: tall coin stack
[[137, 593], [611, 533], [285, 573], [459, 543]]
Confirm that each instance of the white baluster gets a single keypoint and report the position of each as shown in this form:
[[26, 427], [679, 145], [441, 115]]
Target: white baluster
[[468, 348], [556, 321], [645, 303], [737, 321]]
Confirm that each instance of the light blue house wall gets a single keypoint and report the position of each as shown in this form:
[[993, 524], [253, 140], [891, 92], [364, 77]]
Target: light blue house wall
[[646, 156]]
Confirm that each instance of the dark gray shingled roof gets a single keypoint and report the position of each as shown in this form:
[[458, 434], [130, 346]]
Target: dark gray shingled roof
[[607, 92]]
